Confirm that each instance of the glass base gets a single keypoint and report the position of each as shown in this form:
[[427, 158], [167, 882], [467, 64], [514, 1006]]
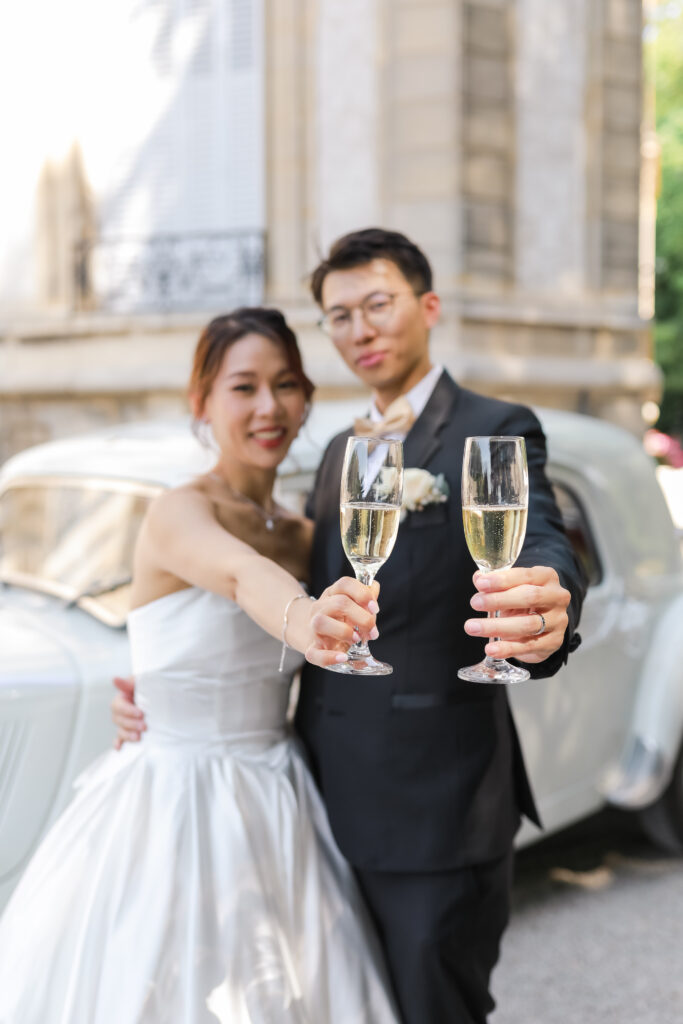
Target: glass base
[[493, 670], [367, 666]]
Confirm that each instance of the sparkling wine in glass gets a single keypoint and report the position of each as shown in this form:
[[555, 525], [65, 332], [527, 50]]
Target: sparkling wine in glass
[[369, 513], [495, 500]]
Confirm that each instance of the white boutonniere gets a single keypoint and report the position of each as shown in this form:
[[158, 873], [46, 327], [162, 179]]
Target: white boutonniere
[[421, 488]]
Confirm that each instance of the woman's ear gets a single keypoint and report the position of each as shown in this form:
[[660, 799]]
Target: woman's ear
[[197, 408]]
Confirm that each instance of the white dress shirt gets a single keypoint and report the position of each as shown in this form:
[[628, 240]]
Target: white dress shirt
[[418, 396]]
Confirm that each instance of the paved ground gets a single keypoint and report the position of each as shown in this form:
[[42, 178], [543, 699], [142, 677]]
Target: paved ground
[[596, 935]]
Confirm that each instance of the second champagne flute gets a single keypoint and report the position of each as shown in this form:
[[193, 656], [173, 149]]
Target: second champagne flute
[[369, 513], [495, 498]]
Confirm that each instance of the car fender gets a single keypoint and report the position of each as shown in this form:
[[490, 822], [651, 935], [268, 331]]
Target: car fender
[[40, 688], [654, 735]]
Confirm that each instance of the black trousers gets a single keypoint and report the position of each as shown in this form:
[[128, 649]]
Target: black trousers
[[441, 935]]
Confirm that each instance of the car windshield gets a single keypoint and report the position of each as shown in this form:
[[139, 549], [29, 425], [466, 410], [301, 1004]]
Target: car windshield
[[73, 538]]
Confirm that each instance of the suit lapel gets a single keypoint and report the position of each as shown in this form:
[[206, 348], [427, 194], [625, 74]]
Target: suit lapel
[[421, 443], [337, 563], [424, 440]]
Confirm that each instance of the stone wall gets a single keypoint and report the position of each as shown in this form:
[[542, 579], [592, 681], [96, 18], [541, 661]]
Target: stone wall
[[86, 374], [502, 135]]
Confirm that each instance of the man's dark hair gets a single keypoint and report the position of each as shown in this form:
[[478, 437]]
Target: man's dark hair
[[360, 247]]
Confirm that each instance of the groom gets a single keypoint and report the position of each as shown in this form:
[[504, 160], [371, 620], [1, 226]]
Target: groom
[[422, 774]]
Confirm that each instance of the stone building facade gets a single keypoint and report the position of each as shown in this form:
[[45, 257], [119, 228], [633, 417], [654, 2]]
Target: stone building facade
[[504, 136]]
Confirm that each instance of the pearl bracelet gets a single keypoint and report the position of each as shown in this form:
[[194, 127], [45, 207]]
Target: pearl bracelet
[[285, 645]]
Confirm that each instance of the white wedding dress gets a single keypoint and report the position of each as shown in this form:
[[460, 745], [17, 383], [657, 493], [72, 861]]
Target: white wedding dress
[[194, 879]]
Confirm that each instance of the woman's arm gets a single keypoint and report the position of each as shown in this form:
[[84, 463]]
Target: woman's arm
[[182, 537]]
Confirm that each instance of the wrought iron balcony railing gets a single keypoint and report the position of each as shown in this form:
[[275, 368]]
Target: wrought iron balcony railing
[[170, 272]]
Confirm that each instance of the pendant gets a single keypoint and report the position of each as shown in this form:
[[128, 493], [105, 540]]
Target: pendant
[[269, 524]]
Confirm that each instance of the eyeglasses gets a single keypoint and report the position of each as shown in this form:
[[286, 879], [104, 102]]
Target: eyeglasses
[[377, 310]]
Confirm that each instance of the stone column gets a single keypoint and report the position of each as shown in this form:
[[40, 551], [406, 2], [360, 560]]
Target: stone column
[[289, 125], [421, 129], [347, 118], [551, 152]]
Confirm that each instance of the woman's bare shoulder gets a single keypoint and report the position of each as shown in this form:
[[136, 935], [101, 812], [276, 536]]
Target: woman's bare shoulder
[[173, 516], [176, 500]]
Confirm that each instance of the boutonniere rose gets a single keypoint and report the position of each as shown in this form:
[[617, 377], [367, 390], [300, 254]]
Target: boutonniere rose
[[421, 488]]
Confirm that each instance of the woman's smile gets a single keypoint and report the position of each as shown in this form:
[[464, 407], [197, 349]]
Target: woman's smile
[[270, 437]]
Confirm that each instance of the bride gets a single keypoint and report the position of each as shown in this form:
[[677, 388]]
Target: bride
[[194, 879]]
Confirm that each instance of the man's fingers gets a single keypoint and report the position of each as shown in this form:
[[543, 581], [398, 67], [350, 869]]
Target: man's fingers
[[126, 736], [126, 686], [514, 627], [527, 596], [126, 715], [120, 705], [520, 595], [530, 653], [506, 579], [125, 721]]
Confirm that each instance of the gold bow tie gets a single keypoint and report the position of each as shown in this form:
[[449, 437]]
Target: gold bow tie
[[398, 419]]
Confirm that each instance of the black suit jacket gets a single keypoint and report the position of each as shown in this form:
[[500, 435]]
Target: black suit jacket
[[420, 771]]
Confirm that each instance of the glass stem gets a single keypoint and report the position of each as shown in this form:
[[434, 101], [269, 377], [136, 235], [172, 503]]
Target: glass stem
[[494, 662], [360, 650]]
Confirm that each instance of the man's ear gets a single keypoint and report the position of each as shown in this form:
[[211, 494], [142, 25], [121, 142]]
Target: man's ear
[[431, 305]]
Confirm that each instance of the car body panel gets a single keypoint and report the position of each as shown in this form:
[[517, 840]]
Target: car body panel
[[586, 715], [56, 666], [38, 701]]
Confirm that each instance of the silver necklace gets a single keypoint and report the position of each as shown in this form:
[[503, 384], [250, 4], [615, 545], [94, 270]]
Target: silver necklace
[[269, 518]]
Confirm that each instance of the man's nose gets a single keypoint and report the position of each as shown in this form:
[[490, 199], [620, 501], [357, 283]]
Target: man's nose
[[360, 329]]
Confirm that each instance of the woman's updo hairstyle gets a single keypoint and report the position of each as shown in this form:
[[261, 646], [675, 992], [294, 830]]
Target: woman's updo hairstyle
[[224, 331]]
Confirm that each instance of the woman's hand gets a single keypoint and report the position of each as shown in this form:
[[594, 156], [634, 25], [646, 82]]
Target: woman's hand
[[343, 611]]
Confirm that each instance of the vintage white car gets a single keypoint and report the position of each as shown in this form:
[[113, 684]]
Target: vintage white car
[[607, 728]]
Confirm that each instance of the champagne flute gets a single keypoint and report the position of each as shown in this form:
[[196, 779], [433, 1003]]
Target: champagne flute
[[369, 512], [495, 499]]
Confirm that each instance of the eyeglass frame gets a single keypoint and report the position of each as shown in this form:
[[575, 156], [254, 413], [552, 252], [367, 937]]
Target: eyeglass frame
[[323, 322]]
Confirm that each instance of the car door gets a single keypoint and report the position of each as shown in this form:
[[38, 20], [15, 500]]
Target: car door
[[38, 707], [572, 725], [65, 571]]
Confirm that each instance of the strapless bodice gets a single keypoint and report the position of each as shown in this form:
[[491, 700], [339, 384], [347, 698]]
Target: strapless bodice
[[205, 672]]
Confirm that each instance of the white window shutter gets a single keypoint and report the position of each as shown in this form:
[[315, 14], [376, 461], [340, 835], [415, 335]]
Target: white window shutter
[[194, 170]]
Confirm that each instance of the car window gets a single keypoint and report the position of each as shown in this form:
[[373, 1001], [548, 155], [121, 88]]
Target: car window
[[73, 538], [579, 533]]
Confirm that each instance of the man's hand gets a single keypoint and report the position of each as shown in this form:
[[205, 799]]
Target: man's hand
[[521, 596], [126, 715]]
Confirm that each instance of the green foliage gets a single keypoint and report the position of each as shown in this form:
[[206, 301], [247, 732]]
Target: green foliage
[[664, 63]]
